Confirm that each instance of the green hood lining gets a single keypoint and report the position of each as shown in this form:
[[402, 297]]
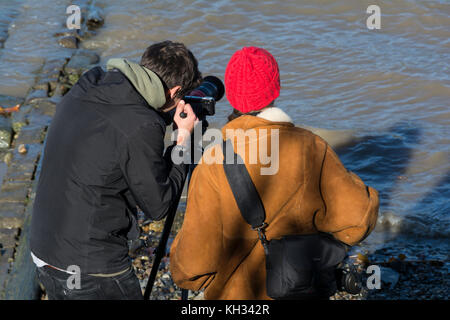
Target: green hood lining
[[146, 82]]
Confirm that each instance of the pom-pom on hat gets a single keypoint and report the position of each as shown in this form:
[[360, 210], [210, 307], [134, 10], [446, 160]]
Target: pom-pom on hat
[[252, 79]]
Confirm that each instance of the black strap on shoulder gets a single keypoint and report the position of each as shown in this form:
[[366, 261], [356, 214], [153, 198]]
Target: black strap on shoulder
[[244, 191]]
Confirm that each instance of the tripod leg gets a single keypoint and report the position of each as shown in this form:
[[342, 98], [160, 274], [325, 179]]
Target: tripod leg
[[161, 250], [165, 234]]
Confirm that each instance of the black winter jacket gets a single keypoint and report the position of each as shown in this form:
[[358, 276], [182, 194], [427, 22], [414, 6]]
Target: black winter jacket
[[103, 155]]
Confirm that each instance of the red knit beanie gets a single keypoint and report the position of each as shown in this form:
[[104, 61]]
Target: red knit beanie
[[252, 79]]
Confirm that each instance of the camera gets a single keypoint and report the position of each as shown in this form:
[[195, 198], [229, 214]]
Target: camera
[[203, 99], [348, 279]]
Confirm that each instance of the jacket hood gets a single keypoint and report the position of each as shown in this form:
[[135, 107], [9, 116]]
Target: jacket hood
[[146, 82]]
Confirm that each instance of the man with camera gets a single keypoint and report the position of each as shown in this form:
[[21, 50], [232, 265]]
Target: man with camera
[[104, 156], [311, 193]]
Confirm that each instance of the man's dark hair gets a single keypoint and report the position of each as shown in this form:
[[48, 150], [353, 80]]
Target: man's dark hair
[[174, 64]]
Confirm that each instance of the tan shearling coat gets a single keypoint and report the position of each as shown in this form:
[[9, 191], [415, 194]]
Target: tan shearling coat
[[217, 250]]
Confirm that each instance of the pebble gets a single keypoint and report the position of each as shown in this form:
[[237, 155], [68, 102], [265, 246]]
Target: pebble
[[95, 19], [22, 149], [389, 276], [70, 42], [8, 157], [5, 132]]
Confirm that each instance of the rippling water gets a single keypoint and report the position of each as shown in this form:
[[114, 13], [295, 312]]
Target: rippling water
[[385, 92]]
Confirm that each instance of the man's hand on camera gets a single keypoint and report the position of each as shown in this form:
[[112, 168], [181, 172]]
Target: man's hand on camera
[[185, 125]]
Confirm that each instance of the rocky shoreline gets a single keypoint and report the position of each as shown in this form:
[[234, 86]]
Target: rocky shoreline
[[23, 127]]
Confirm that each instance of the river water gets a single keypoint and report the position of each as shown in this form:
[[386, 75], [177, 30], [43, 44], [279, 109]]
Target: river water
[[383, 96]]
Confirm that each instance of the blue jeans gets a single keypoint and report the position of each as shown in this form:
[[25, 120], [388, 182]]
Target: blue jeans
[[125, 286]]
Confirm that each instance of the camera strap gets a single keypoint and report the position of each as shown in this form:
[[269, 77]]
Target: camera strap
[[244, 191]]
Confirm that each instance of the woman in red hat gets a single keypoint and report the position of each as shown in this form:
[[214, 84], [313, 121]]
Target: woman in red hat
[[308, 190]]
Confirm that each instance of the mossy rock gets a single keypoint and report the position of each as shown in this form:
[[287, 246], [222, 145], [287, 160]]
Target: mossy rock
[[20, 119], [5, 133], [73, 78]]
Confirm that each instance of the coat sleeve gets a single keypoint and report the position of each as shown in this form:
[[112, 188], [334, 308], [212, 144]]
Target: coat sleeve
[[197, 248], [154, 181], [351, 208]]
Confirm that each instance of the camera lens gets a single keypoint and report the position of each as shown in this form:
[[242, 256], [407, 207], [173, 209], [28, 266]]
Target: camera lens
[[352, 283], [212, 87], [203, 99], [348, 281]]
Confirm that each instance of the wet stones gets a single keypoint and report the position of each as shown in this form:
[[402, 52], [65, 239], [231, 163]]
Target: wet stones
[[70, 42], [389, 277], [50, 75], [21, 161], [95, 18], [85, 34], [8, 238], [36, 96], [30, 135], [24, 132], [23, 165], [416, 273], [22, 149], [8, 120], [91, 19], [72, 78], [46, 107], [7, 158], [38, 117], [3, 35], [11, 215], [70, 33], [81, 34], [47, 83], [20, 119], [42, 84], [13, 191], [52, 68], [5, 133], [81, 61], [47, 92]]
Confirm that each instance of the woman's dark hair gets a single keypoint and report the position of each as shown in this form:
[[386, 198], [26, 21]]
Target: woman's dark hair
[[174, 64], [236, 113]]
